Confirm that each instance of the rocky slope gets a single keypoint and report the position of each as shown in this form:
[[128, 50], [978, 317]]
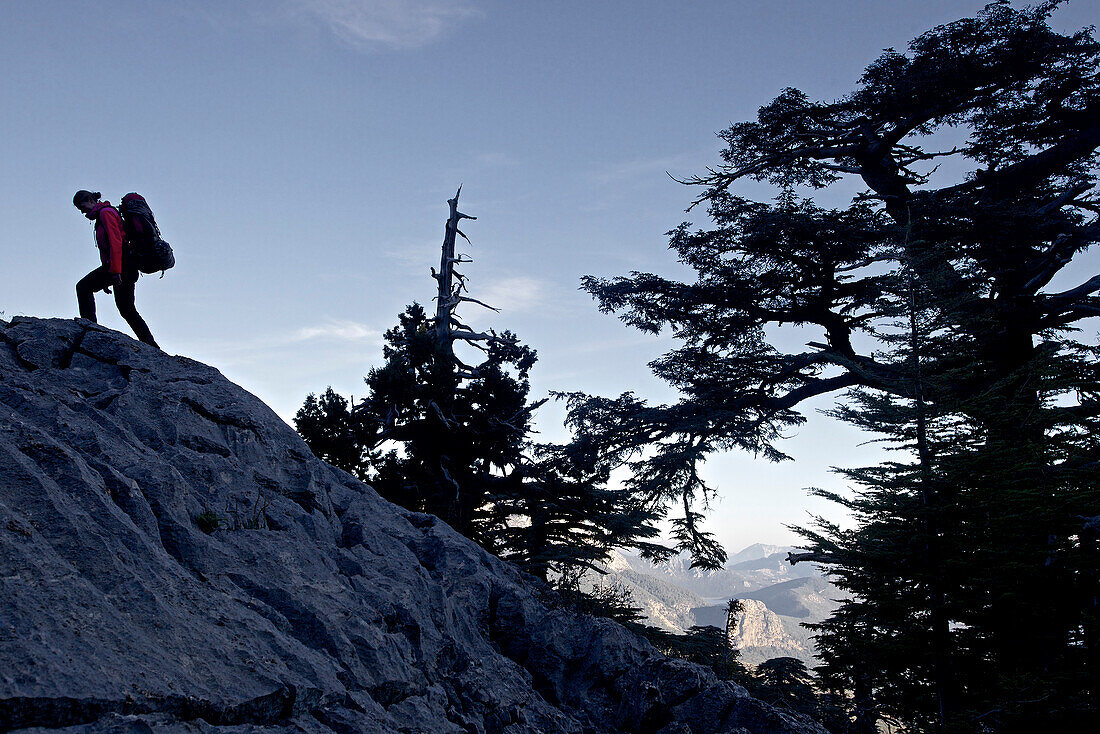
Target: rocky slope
[[173, 558]]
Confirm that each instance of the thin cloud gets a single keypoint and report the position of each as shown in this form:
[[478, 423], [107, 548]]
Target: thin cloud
[[513, 295], [495, 159], [349, 331], [393, 24], [261, 347]]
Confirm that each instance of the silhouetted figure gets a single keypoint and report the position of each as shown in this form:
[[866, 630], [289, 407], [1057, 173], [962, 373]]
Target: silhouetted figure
[[118, 268]]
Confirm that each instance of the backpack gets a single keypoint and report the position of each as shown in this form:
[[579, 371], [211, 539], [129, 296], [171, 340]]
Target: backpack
[[148, 247]]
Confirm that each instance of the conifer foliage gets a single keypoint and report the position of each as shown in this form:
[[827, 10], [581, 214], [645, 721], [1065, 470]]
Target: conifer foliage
[[946, 309], [439, 432]]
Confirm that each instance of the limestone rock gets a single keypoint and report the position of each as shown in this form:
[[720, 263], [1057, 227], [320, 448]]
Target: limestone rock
[[173, 558], [759, 628], [760, 633]]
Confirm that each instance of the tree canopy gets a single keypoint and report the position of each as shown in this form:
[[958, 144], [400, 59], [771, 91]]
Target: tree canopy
[[944, 307], [440, 432]]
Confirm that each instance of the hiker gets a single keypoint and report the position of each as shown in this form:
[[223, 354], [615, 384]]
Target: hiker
[[118, 268]]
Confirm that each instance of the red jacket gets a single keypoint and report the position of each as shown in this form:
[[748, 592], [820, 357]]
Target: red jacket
[[108, 235]]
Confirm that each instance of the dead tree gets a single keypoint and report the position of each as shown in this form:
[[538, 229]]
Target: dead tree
[[451, 293]]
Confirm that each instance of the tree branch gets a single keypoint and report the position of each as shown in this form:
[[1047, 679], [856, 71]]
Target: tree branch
[[811, 556], [466, 299], [1092, 285]]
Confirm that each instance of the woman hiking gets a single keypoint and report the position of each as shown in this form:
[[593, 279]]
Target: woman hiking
[[118, 268]]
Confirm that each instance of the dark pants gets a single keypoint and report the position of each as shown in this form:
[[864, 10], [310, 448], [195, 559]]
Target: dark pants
[[97, 280]]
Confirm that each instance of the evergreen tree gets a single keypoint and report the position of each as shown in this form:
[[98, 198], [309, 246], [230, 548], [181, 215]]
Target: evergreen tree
[[437, 434], [570, 517], [705, 645], [973, 563], [327, 426], [456, 441]]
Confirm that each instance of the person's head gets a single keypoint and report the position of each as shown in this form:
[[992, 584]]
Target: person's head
[[85, 200]]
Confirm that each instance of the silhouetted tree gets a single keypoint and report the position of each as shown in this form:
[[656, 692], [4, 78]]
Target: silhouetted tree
[[571, 516], [327, 426], [931, 297], [787, 684], [457, 440], [438, 434]]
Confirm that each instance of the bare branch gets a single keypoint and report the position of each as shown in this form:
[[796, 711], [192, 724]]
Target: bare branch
[[813, 388], [474, 336], [911, 155], [841, 169], [1058, 254], [474, 300], [448, 477], [1067, 196], [870, 373], [525, 411], [1077, 312]]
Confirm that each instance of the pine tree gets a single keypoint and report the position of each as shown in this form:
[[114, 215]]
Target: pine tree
[[438, 434], [456, 441], [327, 426], [972, 565], [705, 645]]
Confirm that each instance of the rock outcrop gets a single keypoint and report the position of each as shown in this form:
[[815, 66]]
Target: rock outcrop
[[760, 633], [172, 557], [771, 623], [810, 599]]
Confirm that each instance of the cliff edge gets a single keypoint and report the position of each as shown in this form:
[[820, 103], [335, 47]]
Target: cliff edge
[[172, 557]]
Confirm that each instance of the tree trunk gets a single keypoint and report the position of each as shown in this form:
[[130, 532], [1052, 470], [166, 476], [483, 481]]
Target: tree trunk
[[932, 501], [444, 305]]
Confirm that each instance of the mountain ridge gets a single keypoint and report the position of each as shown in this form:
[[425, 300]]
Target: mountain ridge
[[172, 558]]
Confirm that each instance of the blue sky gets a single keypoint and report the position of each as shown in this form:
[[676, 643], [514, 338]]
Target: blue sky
[[299, 154]]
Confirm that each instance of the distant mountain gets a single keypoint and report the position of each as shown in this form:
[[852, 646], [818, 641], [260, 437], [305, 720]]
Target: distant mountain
[[777, 564], [812, 598], [778, 598], [754, 551], [761, 634], [753, 568], [664, 604]]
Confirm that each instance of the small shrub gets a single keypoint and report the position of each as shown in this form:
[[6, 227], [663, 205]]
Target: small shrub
[[209, 522]]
